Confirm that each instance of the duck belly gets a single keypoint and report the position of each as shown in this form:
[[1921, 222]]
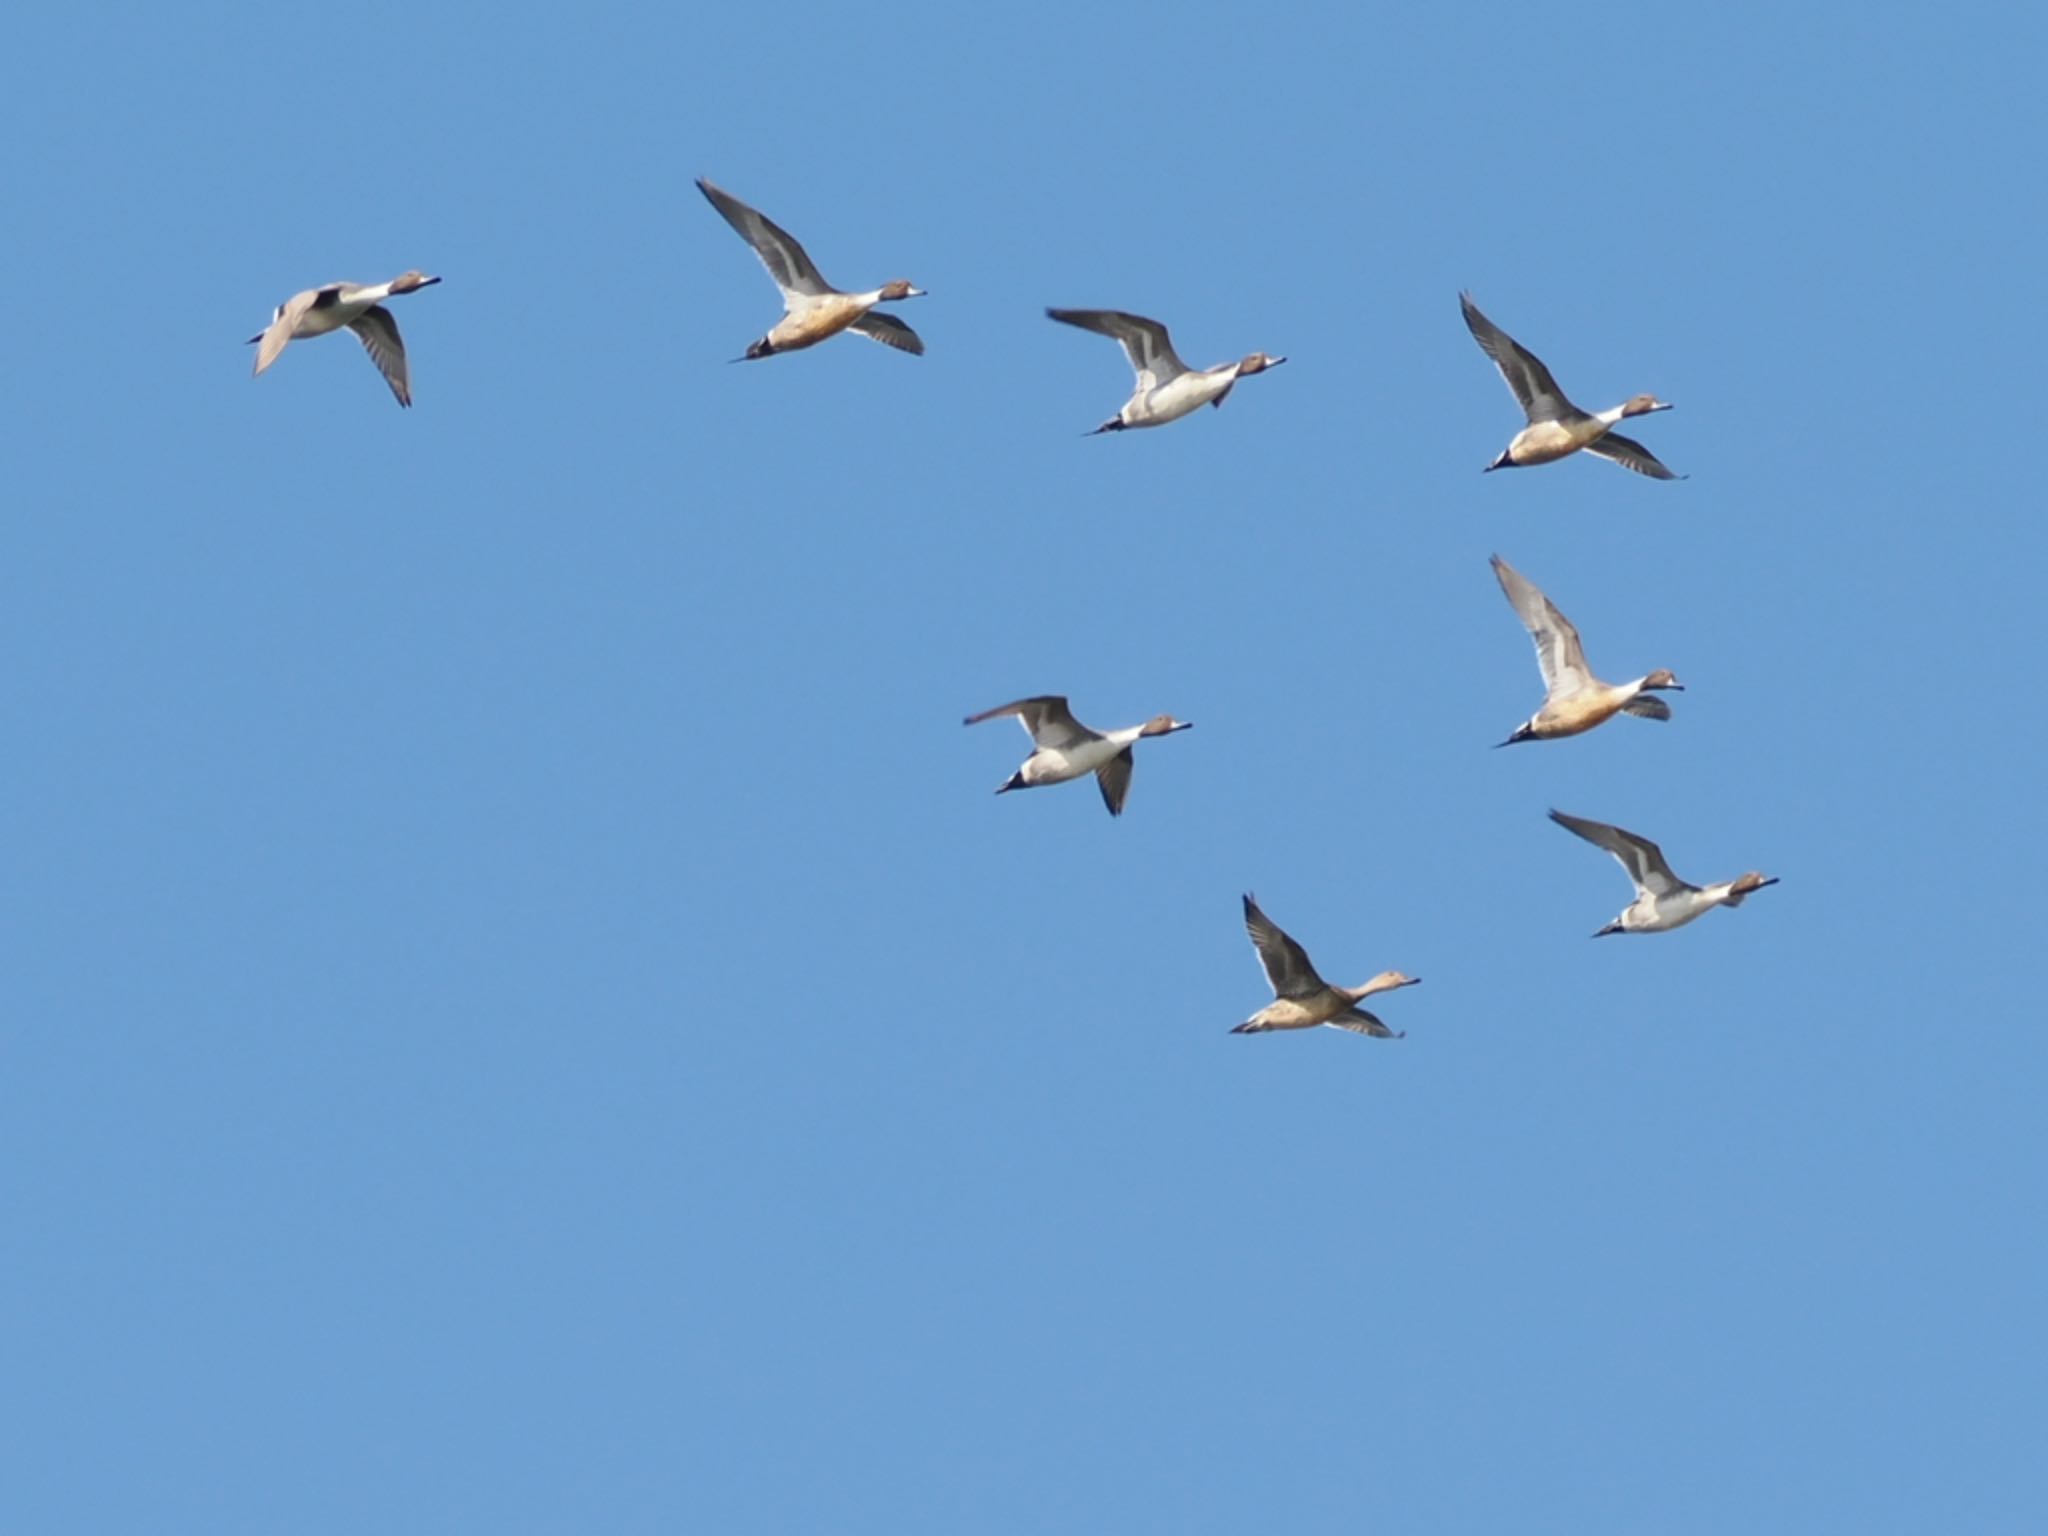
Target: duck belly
[[1545, 442], [318, 322], [1288, 1013], [1057, 764], [1674, 912], [1189, 392], [1578, 712], [815, 323]]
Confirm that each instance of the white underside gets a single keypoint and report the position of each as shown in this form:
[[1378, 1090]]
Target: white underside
[[1052, 766], [1651, 914], [318, 322], [1173, 400]]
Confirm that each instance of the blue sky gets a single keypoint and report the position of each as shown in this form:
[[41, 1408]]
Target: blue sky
[[523, 1015]]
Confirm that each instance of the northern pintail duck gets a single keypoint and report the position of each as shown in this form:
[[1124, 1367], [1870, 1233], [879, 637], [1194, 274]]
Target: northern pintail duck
[[1301, 998], [1167, 387], [1067, 749], [1663, 901], [1577, 700], [813, 309], [1556, 426], [360, 307]]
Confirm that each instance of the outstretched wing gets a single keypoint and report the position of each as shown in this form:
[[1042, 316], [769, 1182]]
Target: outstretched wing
[[1114, 777], [1047, 719], [1534, 388], [890, 332], [1643, 859], [1286, 962], [1359, 1022], [1145, 342], [378, 333], [793, 271], [1559, 653], [1629, 454], [283, 323]]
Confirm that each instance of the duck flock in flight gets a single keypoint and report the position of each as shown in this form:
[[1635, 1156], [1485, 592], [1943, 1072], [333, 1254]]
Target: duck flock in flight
[[1166, 389]]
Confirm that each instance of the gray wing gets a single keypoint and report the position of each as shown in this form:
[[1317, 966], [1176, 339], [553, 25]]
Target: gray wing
[[1643, 859], [1359, 1022], [281, 326], [1286, 962], [1648, 707], [1115, 778], [890, 332], [1145, 342], [785, 260], [1559, 653], [378, 333], [1629, 454], [1531, 382], [1046, 718]]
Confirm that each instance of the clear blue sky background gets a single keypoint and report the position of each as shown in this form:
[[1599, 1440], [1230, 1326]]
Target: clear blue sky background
[[523, 1015]]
